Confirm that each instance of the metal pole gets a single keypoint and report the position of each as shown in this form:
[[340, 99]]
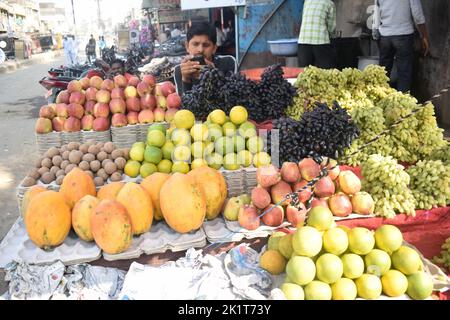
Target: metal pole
[[98, 15], [236, 33], [73, 13]]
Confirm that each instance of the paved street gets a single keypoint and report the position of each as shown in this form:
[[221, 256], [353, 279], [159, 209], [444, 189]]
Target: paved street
[[21, 96]]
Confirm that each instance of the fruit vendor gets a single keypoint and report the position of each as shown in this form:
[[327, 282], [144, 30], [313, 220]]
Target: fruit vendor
[[201, 47], [394, 28], [318, 25], [117, 67]]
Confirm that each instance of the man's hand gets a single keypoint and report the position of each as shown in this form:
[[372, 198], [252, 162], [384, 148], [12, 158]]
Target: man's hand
[[376, 34], [425, 46], [209, 63], [189, 69]]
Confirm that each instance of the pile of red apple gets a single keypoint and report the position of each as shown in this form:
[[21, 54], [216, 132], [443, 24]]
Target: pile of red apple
[[97, 104], [339, 191]]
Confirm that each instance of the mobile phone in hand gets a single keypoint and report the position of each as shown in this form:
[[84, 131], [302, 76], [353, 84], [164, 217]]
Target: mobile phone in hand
[[200, 59]]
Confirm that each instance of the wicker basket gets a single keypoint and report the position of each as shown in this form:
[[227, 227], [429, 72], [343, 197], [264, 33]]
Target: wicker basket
[[67, 137], [235, 182], [143, 129], [250, 179], [98, 136], [124, 137], [47, 141]]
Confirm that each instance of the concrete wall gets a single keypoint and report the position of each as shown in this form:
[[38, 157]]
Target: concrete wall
[[434, 70], [432, 74]]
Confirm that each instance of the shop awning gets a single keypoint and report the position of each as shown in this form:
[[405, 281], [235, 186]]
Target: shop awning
[[6, 7]]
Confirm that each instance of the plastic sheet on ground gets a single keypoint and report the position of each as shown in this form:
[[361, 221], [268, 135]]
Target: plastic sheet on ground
[[232, 275], [17, 246], [57, 282]]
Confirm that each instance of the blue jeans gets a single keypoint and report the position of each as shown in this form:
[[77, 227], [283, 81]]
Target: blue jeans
[[402, 49]]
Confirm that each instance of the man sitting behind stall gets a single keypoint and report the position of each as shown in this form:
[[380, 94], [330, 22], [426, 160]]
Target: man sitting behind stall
[[201, 41], [118, 67]]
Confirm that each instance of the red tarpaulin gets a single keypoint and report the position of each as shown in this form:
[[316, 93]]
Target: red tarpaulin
[[427, 231]]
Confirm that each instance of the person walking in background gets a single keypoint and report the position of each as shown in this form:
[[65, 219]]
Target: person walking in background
[[74, 50], [101, 45], [394, 28], [317, 27], [220, 34], [67, 46], [227, 29], [176, 32], [90, 49]]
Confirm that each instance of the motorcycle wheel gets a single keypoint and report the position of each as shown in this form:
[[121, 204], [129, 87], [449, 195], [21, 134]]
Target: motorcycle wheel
[[52, 97]]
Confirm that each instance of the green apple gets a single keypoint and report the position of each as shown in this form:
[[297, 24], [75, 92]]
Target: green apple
[[245, 198], [239, 143], [180, 166], [261, 159], [153, 154], [209, 147], [197, 163], [215, 132], [198, 149], [167, 150], [181, 137], [218, 116], [230, 161], [215, 161], [147, 169], [182, 153], [247, 130], [157, 126], [232, 208], [137, 151], [156, 138], [245, 158], [165, 166], [255, 144], [229, 129], [224, 145], [199, 132]]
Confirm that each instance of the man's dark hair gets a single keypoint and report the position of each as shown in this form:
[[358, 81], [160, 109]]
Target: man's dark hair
[[202, 29], [118, 61]]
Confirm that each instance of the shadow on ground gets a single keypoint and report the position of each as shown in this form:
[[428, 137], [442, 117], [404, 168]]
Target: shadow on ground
[[34, 103]]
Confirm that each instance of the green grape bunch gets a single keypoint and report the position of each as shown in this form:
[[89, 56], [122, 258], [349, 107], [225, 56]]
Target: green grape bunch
[[374, 107], [444, 257], [442, 153], [430, 183], [388, 182]]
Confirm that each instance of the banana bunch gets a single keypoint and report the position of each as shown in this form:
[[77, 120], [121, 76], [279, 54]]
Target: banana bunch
[[430, 183], [387, 182], [444, 257]]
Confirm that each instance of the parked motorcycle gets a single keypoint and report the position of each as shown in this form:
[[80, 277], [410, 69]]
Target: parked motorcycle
[[60, 77], [134, 59], [172, 47]]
